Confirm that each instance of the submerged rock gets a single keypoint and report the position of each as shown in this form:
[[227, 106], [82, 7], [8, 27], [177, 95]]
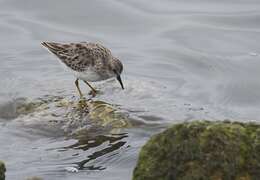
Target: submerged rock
[[70, 116], [202, 150], [2, 171]]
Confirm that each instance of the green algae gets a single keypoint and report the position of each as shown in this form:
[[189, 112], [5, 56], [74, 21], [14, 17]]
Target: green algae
[[107, 114], [2, 170], [202, 150]]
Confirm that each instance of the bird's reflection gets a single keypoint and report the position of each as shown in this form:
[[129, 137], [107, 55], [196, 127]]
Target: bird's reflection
[[115, 142]]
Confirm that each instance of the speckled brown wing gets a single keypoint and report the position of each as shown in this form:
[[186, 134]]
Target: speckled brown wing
[[79, 56]]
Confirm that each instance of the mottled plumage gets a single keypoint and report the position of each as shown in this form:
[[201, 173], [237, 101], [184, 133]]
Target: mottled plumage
[[88, 61]]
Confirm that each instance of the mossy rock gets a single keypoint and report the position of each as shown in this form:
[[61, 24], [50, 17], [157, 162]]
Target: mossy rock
[[2, 171], [202, 150]]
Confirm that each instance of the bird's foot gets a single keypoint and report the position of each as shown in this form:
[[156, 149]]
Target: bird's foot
[[82, 102]]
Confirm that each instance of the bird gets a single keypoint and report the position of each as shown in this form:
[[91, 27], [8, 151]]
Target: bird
[[89, 62]]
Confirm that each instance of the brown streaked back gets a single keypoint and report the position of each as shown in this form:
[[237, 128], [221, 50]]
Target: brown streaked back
[[79, 56]]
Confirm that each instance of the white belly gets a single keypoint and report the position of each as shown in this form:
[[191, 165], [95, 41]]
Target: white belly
[[88, 75]]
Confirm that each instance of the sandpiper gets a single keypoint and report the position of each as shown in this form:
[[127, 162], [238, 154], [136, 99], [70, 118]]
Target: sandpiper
[[88, 62]]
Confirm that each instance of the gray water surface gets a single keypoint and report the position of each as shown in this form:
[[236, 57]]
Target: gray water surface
[[183, 60]]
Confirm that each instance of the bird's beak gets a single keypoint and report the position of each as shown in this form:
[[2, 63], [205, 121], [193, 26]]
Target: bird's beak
[[120, 81]]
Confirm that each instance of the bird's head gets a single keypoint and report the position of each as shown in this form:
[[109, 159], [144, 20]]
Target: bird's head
[[117, 68]]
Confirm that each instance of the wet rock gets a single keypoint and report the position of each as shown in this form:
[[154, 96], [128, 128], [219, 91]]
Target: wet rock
[[2, 170], [59, 115], [202, 150], [7, 110]]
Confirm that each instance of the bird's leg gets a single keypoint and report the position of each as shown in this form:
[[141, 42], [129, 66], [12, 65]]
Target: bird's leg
[[77, 85], [93, 91], [82, 102]]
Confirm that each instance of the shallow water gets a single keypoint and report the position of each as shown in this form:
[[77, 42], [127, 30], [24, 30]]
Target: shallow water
[[183, 60]]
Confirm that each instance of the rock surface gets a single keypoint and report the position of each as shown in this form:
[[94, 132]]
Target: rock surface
[[202, 150], [2, 171], [68, 116]]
